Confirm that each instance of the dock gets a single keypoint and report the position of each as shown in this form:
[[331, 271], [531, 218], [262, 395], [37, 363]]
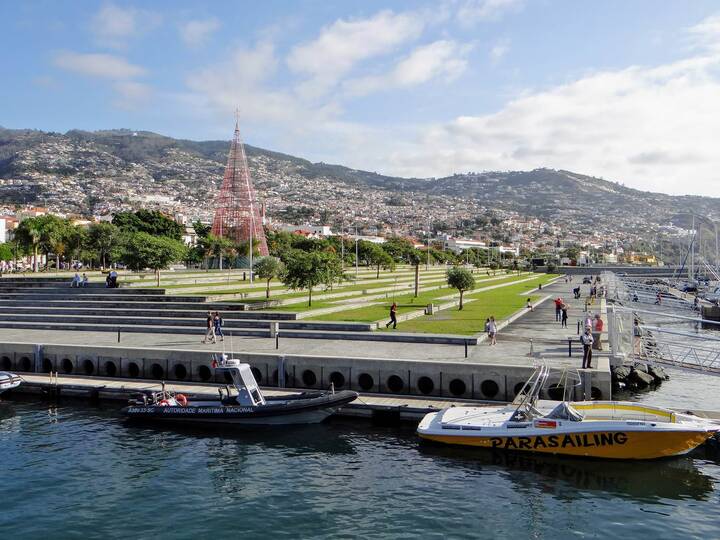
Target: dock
[[377, 406]]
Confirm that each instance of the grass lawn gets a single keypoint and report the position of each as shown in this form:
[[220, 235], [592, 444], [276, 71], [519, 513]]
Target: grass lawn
[[348, 287], [406, 302], [500, 303]]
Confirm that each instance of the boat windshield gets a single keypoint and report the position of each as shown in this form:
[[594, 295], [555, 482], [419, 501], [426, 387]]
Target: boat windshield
[[565, 412]]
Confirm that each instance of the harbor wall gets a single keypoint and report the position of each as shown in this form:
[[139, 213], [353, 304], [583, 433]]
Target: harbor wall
[[469, 380]]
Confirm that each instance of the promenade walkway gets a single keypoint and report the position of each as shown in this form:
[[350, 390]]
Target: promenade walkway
[[549, 338]]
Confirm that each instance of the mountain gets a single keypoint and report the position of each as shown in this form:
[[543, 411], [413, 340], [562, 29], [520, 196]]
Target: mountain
[[104, 171]]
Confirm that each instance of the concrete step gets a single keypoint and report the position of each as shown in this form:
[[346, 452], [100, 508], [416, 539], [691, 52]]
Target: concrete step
[[80, 290], [40, 279], [229, 324], [133, 305], [198, 311], [4, 285], [441, 339], [110, 297]]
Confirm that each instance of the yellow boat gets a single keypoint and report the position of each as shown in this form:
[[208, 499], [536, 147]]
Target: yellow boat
[[601, 429]]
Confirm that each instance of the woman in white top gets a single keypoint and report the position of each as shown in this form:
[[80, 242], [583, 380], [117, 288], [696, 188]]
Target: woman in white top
[[492, 331]]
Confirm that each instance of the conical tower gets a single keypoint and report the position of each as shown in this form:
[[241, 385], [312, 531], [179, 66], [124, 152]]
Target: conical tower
[[237, 212]]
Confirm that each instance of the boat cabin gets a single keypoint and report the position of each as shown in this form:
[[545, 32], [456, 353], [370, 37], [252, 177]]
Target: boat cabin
[[249, 393]]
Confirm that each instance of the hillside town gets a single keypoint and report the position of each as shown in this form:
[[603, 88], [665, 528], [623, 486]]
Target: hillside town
[[88, 180]]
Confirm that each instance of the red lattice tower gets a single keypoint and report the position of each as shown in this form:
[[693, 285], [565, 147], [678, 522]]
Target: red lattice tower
[[237, 211]]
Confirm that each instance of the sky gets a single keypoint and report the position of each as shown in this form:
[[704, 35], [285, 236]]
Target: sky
[[626, 91]]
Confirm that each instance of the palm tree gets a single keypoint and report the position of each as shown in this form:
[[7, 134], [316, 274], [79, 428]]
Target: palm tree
[[29, 235]]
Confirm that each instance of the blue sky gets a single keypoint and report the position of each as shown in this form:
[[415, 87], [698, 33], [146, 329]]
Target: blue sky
[[629, 91]]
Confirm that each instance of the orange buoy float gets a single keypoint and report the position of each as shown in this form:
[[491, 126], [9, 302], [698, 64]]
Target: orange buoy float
[[163, 403], [182, 400]]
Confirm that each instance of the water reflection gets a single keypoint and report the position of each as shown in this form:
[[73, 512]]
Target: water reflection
[[564, 477], [292, 440]]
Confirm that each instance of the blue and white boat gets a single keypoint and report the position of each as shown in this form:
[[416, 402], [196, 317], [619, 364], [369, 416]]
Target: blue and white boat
[[8, 381]]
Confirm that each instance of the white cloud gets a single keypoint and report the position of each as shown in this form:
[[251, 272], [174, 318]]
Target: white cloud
[[195, 33], [652, 128], [344, 43], [114, 26], [706, 34], [244, 82], [106, 66], [131, 94], [473, 11], [441, 59], [498, 51]]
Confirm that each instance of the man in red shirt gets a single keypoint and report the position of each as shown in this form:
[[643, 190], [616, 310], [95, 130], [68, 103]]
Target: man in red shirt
[[558, 308]]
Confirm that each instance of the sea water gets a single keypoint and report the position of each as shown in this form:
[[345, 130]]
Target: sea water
[[71, 470]]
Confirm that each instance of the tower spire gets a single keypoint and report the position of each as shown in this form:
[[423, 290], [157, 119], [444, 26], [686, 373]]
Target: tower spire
[[237, 211]]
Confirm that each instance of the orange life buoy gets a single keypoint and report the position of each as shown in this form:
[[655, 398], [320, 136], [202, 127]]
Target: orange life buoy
[[182, 400], [164, 403]]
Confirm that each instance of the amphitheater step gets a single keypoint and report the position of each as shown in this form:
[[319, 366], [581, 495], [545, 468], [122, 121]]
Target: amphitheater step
[[306, 334], [185, 323], [197, 311]]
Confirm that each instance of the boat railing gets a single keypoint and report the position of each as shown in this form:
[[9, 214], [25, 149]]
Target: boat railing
[[528, 396]]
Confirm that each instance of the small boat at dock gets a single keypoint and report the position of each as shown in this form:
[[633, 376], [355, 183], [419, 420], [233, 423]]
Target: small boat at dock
[[599, 429], [8, 381], [247, 407]]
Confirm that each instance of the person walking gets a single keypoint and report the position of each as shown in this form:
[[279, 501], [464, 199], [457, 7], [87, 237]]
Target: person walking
[[492, 331], [217, 326], [563, 315], [587, 340], [597, 332], [393, 316], [637, 337], [558, 307], [209, 329], [487, 326]]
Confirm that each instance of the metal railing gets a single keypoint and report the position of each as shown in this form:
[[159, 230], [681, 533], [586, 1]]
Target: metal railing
[[658, 336]]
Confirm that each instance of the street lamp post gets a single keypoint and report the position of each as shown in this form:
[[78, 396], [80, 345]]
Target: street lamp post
[[342, 244], [252, 225], [356, 253], [427, 261]]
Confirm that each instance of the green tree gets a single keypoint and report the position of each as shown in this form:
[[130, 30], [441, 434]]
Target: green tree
[[54, 235], [268, 268], [101, 239], [78, 241], [215, 246], [415, 257], [381, 259], [201, 229], [29, 234], [398, 248], [6, 251], [333, 271], [149, 221], [460, 279], [144, 250], [308, 270]]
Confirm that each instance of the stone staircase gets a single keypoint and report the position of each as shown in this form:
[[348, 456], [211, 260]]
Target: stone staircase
[[52, 304]]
